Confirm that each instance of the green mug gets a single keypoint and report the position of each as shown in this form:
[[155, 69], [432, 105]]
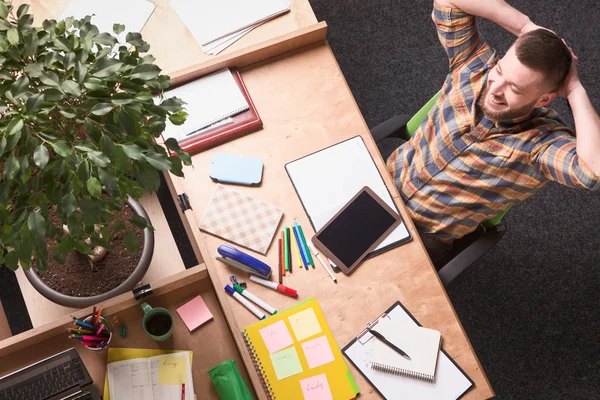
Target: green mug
[[157, 322]]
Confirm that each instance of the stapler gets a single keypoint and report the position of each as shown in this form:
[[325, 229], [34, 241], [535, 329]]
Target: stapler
[[245, 262]]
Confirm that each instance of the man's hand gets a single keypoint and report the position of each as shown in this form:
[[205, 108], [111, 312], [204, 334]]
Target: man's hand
[[572, 80]]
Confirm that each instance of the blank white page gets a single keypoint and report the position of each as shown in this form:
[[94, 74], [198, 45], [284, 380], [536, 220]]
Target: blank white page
[[326, 180], [209, 99], [450, 383], [209, 20]]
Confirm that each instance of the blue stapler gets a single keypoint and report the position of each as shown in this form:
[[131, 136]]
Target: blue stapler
[[238, 259]]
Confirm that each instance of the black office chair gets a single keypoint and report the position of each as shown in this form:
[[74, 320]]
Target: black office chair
[[469, 248]]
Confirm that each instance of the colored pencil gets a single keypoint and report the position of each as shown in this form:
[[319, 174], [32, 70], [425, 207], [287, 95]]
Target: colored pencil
[[289, 247], [303, 238], [300, 247], [281, 255], [295, 246], [286, 260], [279, 260]]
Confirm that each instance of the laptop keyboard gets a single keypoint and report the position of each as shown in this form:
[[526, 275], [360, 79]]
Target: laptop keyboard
[[47, 383]]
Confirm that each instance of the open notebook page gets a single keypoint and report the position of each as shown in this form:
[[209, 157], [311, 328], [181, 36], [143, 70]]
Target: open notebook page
[[209, 99], [328, 179], [450, 382]]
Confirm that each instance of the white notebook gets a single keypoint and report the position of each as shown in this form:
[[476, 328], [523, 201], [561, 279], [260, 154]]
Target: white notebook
[[421, 344], [209, 99], [326, 180], [450, 380]]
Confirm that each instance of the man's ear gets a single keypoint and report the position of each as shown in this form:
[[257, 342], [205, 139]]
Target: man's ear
[[545, 99]]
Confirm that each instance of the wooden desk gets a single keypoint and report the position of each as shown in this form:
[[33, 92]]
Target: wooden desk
[[211, 343], [306, 105]]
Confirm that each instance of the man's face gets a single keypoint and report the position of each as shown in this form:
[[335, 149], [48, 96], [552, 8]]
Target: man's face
[[513, 90]]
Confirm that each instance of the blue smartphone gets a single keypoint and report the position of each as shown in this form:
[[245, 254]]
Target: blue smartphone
[[230, 168]]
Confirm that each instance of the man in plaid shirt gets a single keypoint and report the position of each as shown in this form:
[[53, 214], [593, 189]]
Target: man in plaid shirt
[[489, 142]]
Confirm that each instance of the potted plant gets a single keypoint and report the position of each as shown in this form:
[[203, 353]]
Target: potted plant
[[78, 118]]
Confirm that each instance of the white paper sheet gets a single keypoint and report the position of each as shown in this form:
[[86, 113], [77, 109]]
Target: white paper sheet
[[328, 179], [449, 383]]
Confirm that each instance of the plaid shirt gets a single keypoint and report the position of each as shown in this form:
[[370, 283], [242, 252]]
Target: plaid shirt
[[460, 168]]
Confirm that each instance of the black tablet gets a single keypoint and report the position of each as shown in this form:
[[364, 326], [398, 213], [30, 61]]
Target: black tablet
[[356, 229]]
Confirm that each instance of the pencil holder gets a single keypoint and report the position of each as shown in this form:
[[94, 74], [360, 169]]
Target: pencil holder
[[102, 345]]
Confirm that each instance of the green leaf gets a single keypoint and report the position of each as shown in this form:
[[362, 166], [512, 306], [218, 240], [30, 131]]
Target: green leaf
[[37, 224], [105, 39], [177, 168], [118, 28], [107, 145], [4, 191], [130, 240], [14, 126], [2, 146], [20, 86], [102, 109], [143, 96], [12, 141], [83, 171], [139, 221], [31, 44], [145, 72], [69, 61], [41, 156], [25, 22], [94, 187], [34, 70], [172, 144], [108, 179], [80, 72], [13, 36], [71, 87], [122, 98], [11, 260], [67, 114], [127, 123], [172, 104], [133, 151], [61, 148], [11, 167], [62, 43], [34, 103], [3, 9], [41, 262], [106, 67], [99, 159], [178, 118], [119, 226], [121, 160], [158, 161], [50, 78], [22, 10], [53, 95], [134, 39], [68, 204]]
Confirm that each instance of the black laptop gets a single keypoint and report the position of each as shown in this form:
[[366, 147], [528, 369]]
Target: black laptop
[[60, 377]]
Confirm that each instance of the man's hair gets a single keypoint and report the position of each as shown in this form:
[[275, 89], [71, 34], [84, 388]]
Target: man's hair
[[543, 51]]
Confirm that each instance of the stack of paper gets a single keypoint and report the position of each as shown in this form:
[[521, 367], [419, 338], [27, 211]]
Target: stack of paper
[[218, 24], [131, 13]]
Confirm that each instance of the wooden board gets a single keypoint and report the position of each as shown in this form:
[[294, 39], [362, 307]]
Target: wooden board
[[173, 44], [26, 348], [4, 327], [166, 261], [306, 105]]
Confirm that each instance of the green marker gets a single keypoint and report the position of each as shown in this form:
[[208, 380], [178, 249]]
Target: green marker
[[253, 298]]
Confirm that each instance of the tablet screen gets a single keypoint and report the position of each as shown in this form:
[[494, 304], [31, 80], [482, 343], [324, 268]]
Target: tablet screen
[[356, 228]]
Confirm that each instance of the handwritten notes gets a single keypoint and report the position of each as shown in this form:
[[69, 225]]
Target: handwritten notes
[[305, 324], [316, 388], [317, 352], [276, 336], [286, 363], [171, 370]]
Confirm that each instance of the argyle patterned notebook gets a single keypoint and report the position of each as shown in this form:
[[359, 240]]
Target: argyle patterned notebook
[[241, 219]]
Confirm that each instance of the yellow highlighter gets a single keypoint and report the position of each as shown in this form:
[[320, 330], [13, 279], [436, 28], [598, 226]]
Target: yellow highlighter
[[295, 246]]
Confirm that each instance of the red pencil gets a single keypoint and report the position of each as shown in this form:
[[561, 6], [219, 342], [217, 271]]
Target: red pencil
[[183, 391], [279, 260]]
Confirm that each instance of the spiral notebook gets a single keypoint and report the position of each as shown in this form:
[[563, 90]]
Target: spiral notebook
[[421, 344], [296, 356], [450, 383]]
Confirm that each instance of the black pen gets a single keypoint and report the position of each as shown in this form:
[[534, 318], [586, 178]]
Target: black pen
[[384, 340]]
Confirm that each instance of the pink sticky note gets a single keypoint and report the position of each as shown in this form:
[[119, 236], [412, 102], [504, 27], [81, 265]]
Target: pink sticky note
[[276, 336], [317, 352], [194, 313], [316, 388]]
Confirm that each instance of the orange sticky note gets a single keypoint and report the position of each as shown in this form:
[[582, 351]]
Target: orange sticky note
[[194, 313]]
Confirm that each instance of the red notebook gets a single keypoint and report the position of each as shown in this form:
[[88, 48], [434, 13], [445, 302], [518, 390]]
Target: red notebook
[[243, 123]]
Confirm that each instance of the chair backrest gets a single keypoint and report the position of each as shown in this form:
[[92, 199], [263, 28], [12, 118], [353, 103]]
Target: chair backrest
[[413, 124]]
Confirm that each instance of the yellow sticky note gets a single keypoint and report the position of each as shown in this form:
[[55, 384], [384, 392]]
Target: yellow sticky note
[[172, 370], [305, 324]]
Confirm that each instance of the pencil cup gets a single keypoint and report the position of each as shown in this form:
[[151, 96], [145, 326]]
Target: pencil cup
[[101, 345]]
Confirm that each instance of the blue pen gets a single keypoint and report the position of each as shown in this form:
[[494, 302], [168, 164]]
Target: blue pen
[[244, 302], [300, 245]]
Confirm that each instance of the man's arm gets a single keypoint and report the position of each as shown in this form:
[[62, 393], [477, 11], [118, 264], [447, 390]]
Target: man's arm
[[497, 11]]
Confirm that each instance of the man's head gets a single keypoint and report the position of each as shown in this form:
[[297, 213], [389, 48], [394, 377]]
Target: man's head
[[527, 77]]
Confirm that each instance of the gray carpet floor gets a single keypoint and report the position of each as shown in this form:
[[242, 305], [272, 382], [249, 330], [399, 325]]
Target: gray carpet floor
[[530, 306]]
